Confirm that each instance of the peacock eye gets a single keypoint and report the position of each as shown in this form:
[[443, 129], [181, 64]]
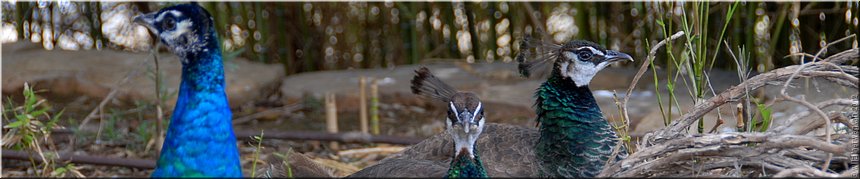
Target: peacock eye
[[585, 55], [168, 24]]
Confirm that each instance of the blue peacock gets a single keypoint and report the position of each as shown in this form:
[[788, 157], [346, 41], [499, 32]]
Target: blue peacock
[[200, 139], [573, 139]]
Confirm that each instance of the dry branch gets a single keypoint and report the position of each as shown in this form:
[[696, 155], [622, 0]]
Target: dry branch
[[794, 126], [673, 152], [815, 69], [803, 172], [647, 161], [83, 159], [284, 110], [372, 150], [345, 137]]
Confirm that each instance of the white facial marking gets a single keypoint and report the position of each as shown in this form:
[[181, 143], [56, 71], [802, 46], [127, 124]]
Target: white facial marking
[[174, 12], [582, 71], [478, 109], [456, 114], [183, 27], [593, 50]]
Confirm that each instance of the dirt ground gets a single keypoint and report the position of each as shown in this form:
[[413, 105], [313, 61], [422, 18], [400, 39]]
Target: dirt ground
[[400, 115]]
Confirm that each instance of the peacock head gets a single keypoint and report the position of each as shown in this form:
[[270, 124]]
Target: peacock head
[[577, 60], [465, 121], [185, 29]]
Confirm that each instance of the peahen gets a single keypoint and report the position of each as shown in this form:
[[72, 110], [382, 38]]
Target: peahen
[[573, 140], [200, 140], [465, 122]]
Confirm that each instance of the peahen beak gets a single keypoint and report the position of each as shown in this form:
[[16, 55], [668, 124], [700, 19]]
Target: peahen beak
[[615, 56], [467, 122]]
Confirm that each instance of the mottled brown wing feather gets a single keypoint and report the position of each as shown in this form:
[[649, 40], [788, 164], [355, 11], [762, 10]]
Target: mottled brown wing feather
[[300, 165], [403, 168]]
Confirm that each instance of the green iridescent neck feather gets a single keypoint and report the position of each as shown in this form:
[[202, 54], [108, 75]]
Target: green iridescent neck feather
[[575, 139], [464, 166]]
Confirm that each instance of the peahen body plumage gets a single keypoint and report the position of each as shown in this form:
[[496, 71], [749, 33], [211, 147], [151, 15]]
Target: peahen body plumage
[[573, 139], [200, 140]]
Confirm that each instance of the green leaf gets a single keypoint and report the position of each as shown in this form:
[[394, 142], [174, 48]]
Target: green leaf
[[54, 119], [59, 172], [15, 124], [27, 139], [39, 112], [765, 116]]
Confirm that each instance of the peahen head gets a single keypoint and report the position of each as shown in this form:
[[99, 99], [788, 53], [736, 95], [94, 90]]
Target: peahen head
[[465, 118], [186, 29], [465, 121], [577, 60]]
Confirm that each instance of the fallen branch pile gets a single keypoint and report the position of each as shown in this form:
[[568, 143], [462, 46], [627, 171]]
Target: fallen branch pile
[[784, 151]]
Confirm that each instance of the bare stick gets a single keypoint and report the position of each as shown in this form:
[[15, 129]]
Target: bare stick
[[84, 159], [374, 106], [362, 104], [159, 129], [343, 137], [331, 117], [284, 110], [651, 56], [372, 150]]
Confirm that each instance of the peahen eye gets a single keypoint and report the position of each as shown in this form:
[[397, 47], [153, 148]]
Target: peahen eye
[[585, 55], [168, 24]]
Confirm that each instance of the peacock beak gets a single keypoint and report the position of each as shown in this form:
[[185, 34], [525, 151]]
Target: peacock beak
[[615, 56], [147, 20]]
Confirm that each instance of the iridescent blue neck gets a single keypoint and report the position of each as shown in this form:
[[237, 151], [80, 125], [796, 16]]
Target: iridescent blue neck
[[200, 139]]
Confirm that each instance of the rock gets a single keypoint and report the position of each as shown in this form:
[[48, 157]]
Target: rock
[[93, 73]]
